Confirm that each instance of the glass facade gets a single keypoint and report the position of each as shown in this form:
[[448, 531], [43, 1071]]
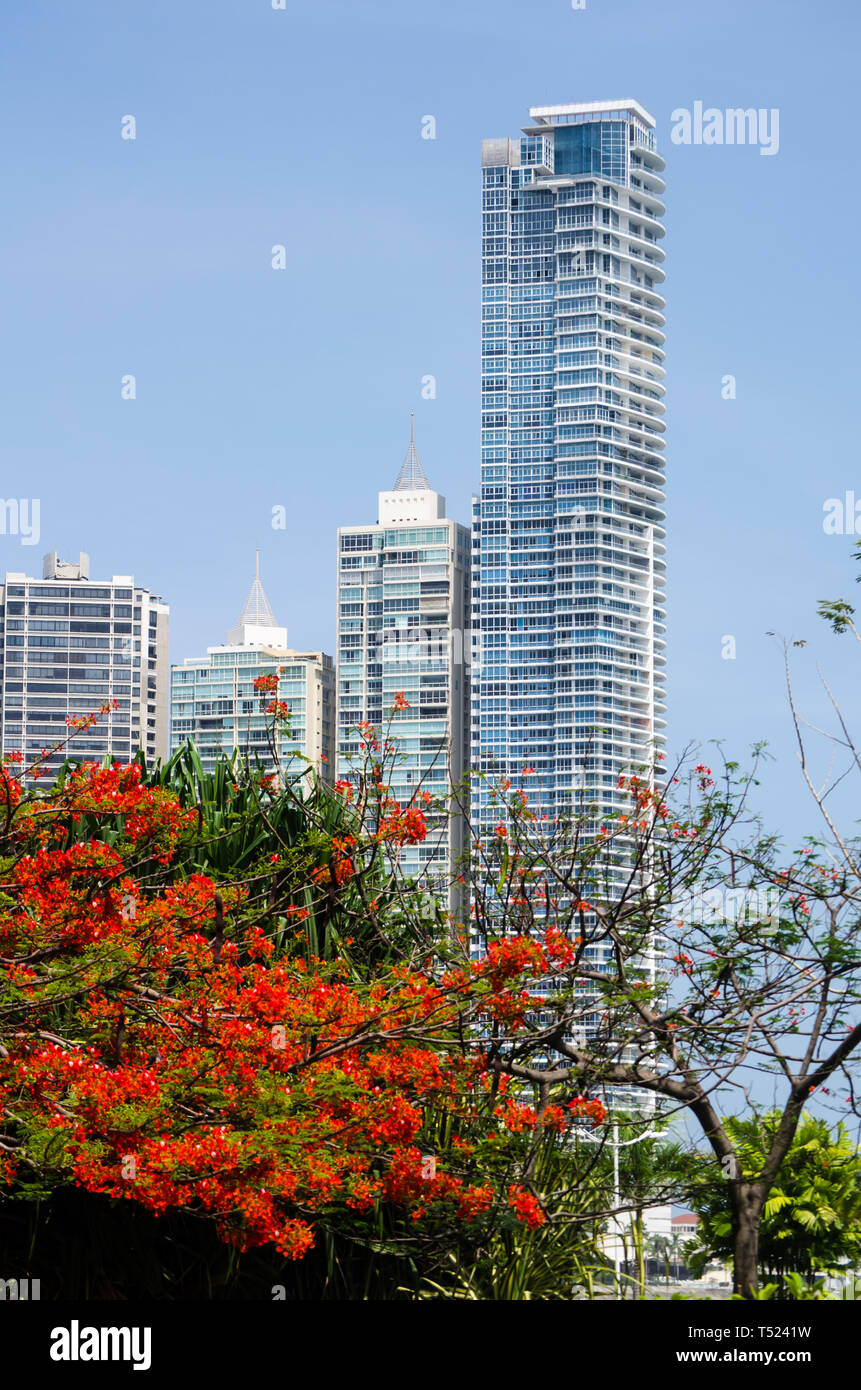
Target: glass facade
[[214, 703], [67, 646], [402, 614], [568, 539]]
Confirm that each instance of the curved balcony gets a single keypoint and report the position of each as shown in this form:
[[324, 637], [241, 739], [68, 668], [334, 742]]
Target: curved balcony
[[634, 257], [643, 315], [644, 195]]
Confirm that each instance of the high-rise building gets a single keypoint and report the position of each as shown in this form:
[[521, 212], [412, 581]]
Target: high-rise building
[[214, 703], [69, 644], [403, 620], [568, 534]]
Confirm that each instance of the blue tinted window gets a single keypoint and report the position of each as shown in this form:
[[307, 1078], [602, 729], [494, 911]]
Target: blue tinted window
[[578, 149], [596, 148]]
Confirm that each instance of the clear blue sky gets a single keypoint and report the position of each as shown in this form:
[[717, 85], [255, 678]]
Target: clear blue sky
[[256, 388]]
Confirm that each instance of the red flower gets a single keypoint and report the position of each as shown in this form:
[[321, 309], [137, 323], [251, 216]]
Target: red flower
[[526, 1207], [403, 827]]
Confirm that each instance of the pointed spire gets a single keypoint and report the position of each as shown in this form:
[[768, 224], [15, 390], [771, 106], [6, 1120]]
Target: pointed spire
[[412, 476], [257, 612], [258, 615]]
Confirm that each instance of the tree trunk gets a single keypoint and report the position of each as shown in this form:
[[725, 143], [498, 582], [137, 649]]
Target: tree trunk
[[747, 1203], [640, 1241]]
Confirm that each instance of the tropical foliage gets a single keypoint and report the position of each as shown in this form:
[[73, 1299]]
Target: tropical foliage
[[213, 1003], [222, 1001], [811, 1221]]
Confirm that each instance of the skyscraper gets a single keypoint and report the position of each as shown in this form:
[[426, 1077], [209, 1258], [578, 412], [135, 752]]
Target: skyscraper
[[214, 703], [568, 538], [403, 612], [68, 645]]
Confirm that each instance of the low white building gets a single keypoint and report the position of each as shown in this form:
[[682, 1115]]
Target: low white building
[[70, 644], [214, 703]]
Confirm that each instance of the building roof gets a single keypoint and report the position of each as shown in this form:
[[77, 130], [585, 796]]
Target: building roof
[[412, 476], [587, 108], [685, 1218]]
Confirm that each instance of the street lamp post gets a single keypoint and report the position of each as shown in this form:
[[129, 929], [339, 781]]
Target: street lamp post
[[617, 1195]]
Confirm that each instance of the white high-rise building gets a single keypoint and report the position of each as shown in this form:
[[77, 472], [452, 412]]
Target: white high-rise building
[[69, 645], [403, 624], [568, 538], [214, 703], [568, 531]]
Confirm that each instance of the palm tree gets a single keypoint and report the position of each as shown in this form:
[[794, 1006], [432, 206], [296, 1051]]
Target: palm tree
[[812, 1219], [662, 1247], [652, 1171]]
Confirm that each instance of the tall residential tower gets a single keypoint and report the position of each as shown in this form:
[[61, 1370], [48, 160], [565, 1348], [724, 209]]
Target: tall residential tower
[[403, 612], [568, 541]]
